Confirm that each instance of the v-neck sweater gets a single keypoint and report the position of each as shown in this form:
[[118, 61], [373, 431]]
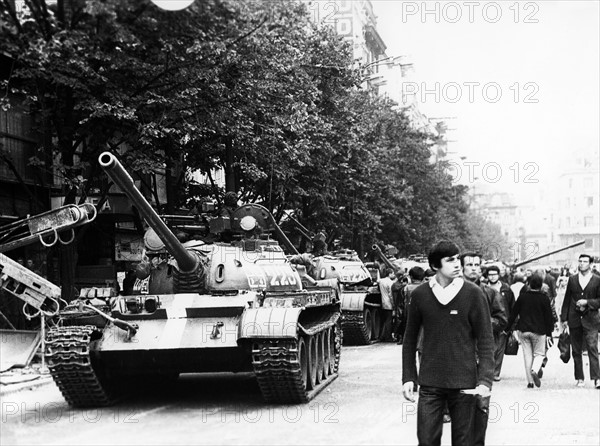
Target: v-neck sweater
[[458, 344]]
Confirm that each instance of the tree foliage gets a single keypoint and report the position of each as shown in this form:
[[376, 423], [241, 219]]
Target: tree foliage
[[249, 87]]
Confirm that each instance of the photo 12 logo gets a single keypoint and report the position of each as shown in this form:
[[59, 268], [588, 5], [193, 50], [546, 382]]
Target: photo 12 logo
[[470, 12], [492, 172], [471, 92]]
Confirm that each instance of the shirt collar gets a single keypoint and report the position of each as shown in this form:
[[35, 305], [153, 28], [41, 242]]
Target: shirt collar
[[456, 283]]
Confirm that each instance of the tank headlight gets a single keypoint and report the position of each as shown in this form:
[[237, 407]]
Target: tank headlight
[[150, 305], [248, 223]]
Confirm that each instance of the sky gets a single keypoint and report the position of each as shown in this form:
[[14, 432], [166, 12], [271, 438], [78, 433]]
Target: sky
[[519, 79]]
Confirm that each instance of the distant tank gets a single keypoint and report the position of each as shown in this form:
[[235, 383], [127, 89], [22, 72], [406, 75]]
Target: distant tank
[[360, 297], [237, 305]]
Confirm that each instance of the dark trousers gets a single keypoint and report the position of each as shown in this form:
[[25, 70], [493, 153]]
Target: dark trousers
[[578, 335], [401, 326], [500, 341], [430, 411], [480, 420], [386, 325]]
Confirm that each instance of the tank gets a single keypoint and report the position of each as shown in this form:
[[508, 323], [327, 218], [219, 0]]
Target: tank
[[360, 297], [238, 305]]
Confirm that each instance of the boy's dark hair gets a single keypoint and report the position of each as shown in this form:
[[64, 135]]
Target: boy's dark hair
[[536, 281], [389, 271], [443, 248], [493, 268], [416, 273], [468, 254], [586, 255]]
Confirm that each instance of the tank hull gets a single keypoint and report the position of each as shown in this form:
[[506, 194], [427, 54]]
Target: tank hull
[[291, 341]]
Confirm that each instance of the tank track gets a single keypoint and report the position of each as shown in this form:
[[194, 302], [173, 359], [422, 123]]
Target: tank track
[[355, 330], [68, 357], [277, 367]]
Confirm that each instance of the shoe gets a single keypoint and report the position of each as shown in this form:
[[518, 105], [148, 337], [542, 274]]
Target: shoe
[[541, 372], [580, 383], [536, 378], [530, 385], [544, 362], [497, 378]]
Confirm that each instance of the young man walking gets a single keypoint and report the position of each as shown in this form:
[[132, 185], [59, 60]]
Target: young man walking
[[580, 316], [457, 364]]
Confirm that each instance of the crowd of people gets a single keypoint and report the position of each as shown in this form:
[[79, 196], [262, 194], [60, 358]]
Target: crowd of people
[[454, 320]]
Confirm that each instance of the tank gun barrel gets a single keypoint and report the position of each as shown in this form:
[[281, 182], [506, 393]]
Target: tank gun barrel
[[533, 259], [383, 258], [186, 261]]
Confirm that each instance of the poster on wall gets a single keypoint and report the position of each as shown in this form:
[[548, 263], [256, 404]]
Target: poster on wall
[[128, 247]]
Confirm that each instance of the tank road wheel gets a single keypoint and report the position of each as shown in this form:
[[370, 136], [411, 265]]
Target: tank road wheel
[[320, 357], [376, 326], [366, 328], [332, 368], [326, 335], [312, 362], [303, 360], [336, 342]]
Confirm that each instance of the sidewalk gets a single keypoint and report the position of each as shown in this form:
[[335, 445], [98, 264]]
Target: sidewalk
[[26, 378]]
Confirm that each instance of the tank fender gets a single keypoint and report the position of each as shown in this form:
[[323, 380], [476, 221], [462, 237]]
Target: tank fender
[[269, 322], [353, 301]]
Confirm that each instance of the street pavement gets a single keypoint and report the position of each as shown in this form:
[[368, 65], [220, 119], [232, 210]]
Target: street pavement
[[363, 406]]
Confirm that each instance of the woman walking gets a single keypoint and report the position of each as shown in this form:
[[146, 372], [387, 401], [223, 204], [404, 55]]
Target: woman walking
[[534, 327]]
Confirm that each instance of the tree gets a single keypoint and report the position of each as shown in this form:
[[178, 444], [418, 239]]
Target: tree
[[250, 87]]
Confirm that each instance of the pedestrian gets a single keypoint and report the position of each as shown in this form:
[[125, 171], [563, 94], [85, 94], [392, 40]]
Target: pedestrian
[[534, 327], [399, 307], [518, 284], [505, 275], [508, 300], [471, 268], [550, 281], [416, 276], [457, 365], [387, 304], [580, 316], [563, 278]]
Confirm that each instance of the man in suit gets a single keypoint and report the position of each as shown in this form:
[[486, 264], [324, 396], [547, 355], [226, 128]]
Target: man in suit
[[580, 316]]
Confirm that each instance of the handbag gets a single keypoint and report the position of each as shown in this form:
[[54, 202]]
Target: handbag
[[512, 344], [564, 346]]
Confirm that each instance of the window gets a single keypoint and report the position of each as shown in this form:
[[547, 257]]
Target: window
[[589, 201], [588, 221], [568, 222], [589, 243]]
